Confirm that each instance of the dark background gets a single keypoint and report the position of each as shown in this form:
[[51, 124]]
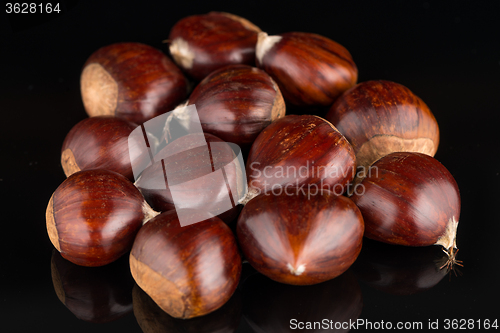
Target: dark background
[[448, 53]]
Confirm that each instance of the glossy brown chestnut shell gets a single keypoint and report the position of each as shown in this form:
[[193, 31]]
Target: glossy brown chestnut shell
[[201, 44], [94, 215], [188, 271], [237, 102], [410, 199], [132, 81], [311, 70], [197, 167], [101, 142], [94, 294], [298, 238], [381, 117], [300, 151]]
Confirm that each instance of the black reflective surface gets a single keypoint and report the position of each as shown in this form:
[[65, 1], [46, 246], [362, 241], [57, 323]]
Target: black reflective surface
[[447, 53]]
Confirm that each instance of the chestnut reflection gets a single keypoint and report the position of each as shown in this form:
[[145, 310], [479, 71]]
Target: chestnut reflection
[[270, 306], [400, 270], [152, 319], [94, 294]]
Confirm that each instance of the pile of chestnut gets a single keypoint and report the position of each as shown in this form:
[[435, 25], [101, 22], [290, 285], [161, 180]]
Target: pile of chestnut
[[316, 184]]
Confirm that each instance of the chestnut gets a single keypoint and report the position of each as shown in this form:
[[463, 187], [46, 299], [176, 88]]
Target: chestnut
[[101, 142], [299, 151], [311, 70], [188, 271], [131, 80], [275, 307], [299, 238], [381, 117], [410, 199], [152, 319], [94, 294], [197, 171], [94, 215], [399, 270], [200, 44], [236, 103]]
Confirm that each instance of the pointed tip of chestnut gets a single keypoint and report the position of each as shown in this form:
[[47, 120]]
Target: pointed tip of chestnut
[[451, 262], [448, 239], [181, 52], [264, 44], [298, 270]]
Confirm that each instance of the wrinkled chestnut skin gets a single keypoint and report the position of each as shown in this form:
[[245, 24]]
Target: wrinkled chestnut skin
[[381, 117], [132, 81], [399, 270], [408, 199], [188, 271], [236, 103], [93, 217], [94, 294], [297, 151], [270, 306], [100, 142], [311, 70], [298, 238], [185, 161], [152, 319], [201, 44]]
